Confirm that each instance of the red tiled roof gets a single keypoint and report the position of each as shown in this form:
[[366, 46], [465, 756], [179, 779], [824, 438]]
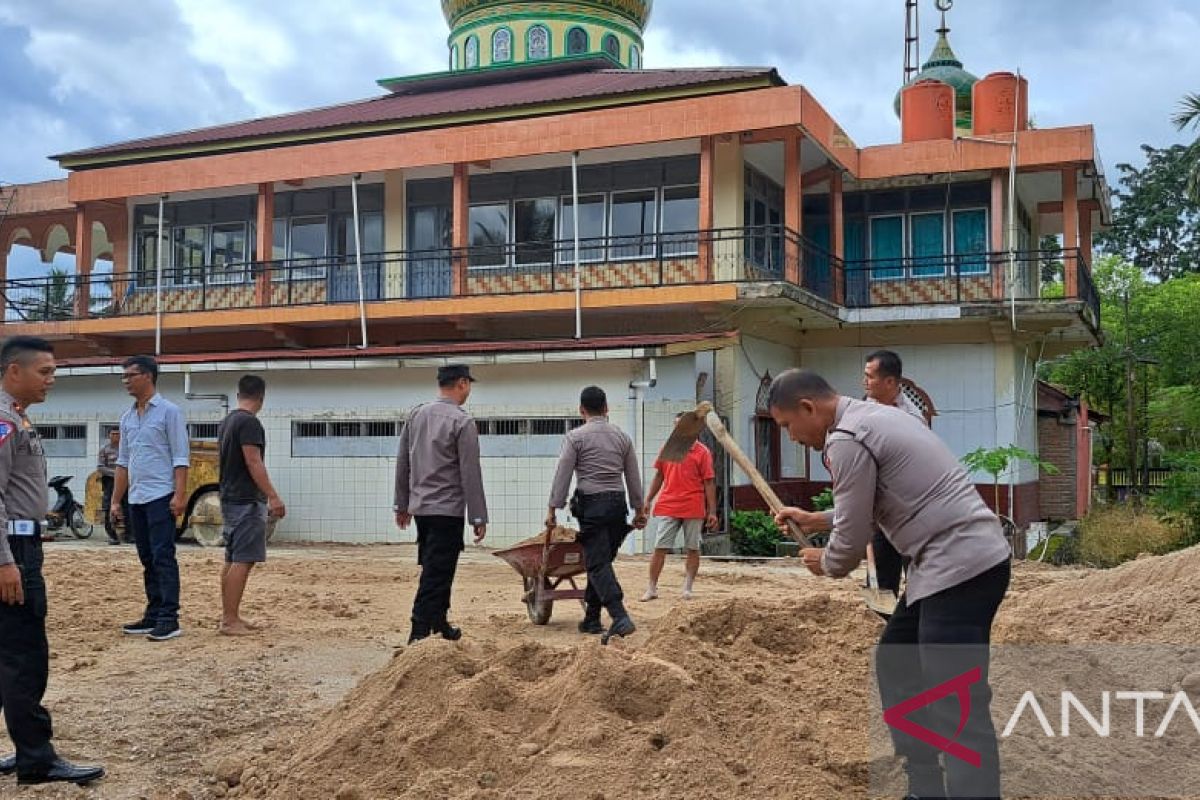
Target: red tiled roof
[[433, 350], [445, 95]]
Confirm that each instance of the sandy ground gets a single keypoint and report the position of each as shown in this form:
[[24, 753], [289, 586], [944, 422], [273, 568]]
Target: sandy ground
[[162, 717]]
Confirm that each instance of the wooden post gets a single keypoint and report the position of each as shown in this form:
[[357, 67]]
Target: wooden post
[[793, 214], [460, 235], [1070, 204], [83, 262], [837, 236], [265, 243], [707, 167]]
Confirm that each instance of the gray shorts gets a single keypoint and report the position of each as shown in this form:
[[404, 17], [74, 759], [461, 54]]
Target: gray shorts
[[669, 528], [245, 532]]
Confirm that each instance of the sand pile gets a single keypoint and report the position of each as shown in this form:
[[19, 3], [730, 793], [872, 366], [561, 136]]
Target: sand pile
[[1152, 599], [723, 699]]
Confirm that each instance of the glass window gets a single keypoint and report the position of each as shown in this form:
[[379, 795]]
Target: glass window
[[970, 241], [279, 248], [370, 228], [535, 222], [189, 259], [488, 235], [927, 234], [633, 215], [229, 253], [577, 42], [454, 57], [591, 228], [308, 246], [471, 53], [612, 47], [537, 43], [680, 220], [887, 247], [147, 257], [635, 57], [502, 45]]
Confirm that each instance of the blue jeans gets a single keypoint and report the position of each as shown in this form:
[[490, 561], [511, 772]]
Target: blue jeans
[[153, 527]]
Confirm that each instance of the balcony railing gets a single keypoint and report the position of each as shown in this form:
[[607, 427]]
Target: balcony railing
[[753, 254]]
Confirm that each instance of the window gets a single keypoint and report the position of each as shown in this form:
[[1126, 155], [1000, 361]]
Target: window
[[308, 243], [188, 266], [204, 431], [537, 43], [345, 438], [471, 53], [488, 235], [970, 241], [612, 47], [632, 219], [522, 438], [279, 242], [635, 57], [501, 45], [767, 450], [577, 42], [454, 57], [147, 258], [591, 228], [229, 253], [63, 441], [887, 247], [680, 220], [535, 222], [927, 235]]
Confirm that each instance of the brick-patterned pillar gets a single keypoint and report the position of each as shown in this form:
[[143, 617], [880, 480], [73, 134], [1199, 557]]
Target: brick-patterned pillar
[[116, 224], [1070, 214], [83, 261], [998, 244], [837, 236], [459, 238], [793, 214], [264, 243], [707, 167]]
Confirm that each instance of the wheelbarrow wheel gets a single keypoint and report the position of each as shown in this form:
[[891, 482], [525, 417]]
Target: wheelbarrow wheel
[[539, 610]]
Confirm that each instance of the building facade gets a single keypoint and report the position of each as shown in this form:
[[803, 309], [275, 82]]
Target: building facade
[[671, 235]]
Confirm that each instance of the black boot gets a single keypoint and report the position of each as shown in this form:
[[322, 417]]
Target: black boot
[[420, 630], [591, 621], [925, 781], [622, 626], [448, 631]]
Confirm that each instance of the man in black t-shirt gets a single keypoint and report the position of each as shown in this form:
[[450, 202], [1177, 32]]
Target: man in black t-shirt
[[247, 497]]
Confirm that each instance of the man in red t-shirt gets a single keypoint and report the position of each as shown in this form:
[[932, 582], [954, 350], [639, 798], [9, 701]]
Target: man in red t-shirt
[[688, 503]]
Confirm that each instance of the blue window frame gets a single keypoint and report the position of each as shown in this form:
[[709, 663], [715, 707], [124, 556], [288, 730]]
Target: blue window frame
[[927, 237], [887, 247], [970, 241]]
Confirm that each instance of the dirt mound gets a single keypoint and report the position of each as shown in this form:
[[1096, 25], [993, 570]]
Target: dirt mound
[[725, 698], [1151, 599]]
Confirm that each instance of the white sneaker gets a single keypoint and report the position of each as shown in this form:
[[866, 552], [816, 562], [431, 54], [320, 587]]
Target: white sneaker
[[651, 594], [687, 594]]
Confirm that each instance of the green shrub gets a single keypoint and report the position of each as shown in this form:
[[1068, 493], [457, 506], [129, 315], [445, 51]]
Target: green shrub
[[823, 501], [1112, 535], [1178, 502], [753, 533]]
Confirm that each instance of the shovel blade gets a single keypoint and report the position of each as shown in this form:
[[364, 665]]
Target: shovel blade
[[881, 601], [687, 431]]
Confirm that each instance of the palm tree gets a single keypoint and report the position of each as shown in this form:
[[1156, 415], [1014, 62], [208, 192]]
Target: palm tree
[[1189, 114]]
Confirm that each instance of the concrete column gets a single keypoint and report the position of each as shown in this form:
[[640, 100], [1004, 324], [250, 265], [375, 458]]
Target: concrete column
[[1083, 463], [460, 232], [83, 261], [837, 236], [395, 213], [1070, 204], [793, 214], [707, 205], [265, 243], [998, 243], [1085, 231], [729, 194]]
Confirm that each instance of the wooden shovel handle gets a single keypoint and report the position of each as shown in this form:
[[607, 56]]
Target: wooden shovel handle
[[768, 494]]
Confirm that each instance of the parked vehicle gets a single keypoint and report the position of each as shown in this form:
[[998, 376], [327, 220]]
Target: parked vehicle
[[66, 512]]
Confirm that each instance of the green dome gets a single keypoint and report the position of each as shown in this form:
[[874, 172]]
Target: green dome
[[943, 65], [636, 11]]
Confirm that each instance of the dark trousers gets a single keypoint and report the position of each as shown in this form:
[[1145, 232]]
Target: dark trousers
[[889, 564], [439, 542], [925, 644], [153, 527], [602, 529], [25, 662]]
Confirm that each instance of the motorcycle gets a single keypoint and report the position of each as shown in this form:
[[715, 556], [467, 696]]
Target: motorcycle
[[66, 512]]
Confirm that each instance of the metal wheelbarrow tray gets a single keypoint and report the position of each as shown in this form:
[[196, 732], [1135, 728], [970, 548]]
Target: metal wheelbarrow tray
[[544, 563]]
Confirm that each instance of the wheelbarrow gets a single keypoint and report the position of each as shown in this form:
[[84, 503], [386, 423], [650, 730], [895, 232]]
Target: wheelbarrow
[[544, 563]]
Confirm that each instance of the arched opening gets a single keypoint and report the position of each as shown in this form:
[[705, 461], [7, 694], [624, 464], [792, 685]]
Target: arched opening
[[612, 47], [537, 43], [635, 57], [501, 46], [577, 42], [471, 52]]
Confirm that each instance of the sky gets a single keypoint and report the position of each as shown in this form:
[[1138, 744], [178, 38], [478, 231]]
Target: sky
[[81, 73]]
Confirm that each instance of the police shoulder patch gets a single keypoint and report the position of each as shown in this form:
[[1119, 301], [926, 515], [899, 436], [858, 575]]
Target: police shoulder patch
[[6, 430]]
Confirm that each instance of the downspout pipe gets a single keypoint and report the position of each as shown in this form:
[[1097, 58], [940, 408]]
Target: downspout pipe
[[636, 394], [223, 399]]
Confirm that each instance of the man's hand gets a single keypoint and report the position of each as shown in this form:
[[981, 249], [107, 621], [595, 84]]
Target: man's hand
[[812, 559], [480, 532], [11, 590], [711, 522], [275, 507], [403, 518], [178, 504], [114, 512], [809, 521], [639, 521]]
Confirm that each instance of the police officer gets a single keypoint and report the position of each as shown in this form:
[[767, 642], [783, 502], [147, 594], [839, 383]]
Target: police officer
[[892, 473], [106, 464], [27, 365], [438, 477], [600, 456]]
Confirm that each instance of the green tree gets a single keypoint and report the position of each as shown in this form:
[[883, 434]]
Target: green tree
[[1189, 115], [1156, 225]]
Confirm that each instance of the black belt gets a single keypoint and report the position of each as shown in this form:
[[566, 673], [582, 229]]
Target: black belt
[[604, 495]]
